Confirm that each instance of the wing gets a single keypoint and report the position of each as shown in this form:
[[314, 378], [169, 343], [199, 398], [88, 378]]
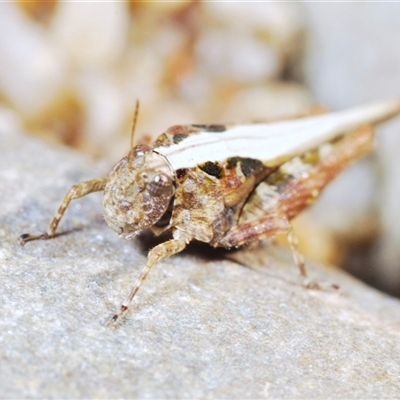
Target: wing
[[272, 143]]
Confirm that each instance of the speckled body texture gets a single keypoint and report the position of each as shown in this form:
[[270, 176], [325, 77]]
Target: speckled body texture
[[226, 202]]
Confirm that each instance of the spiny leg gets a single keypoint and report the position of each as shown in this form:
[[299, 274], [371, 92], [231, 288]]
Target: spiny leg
[[299, 261], [297, 256], [302, 189], [263, 216], [265, 227], [75, 192], [159, 252], [268, 211]]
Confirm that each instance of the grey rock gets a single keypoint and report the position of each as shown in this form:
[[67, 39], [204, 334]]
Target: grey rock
[[201, 326]]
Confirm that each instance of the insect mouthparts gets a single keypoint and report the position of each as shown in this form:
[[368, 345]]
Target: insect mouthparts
[[128, 235]]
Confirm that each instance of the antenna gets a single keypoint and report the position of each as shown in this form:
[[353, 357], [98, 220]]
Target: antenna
[[130, 156]]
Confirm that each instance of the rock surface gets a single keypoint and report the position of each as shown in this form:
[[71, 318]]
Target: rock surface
[[201, 326]]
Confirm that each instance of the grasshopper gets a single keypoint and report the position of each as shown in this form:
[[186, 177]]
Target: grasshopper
[[226, 185]]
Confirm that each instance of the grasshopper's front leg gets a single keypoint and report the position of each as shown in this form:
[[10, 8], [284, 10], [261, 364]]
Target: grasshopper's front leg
[[75, 192], [163, 250]]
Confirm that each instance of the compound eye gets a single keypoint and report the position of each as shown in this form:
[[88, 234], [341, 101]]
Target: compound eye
[[140, 150], [160, 185]]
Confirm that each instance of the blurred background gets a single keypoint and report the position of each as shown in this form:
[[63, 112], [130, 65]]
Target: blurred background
[[71, 72]]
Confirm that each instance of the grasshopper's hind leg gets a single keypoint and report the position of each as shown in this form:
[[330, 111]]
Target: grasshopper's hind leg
[[261, 217], [75, 192], [269, 208]]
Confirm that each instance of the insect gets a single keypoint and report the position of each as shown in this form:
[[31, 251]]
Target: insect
[[226, 185]]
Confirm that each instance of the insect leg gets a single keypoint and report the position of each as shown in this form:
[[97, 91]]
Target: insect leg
[[268, 210], [263, 216], [75, 192], [163, 250], [302, 189]]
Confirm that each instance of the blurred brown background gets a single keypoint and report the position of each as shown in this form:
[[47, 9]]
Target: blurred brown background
[[71, 73]]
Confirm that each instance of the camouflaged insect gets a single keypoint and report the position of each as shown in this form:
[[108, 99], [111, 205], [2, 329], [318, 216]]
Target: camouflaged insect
[[227, 185]]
